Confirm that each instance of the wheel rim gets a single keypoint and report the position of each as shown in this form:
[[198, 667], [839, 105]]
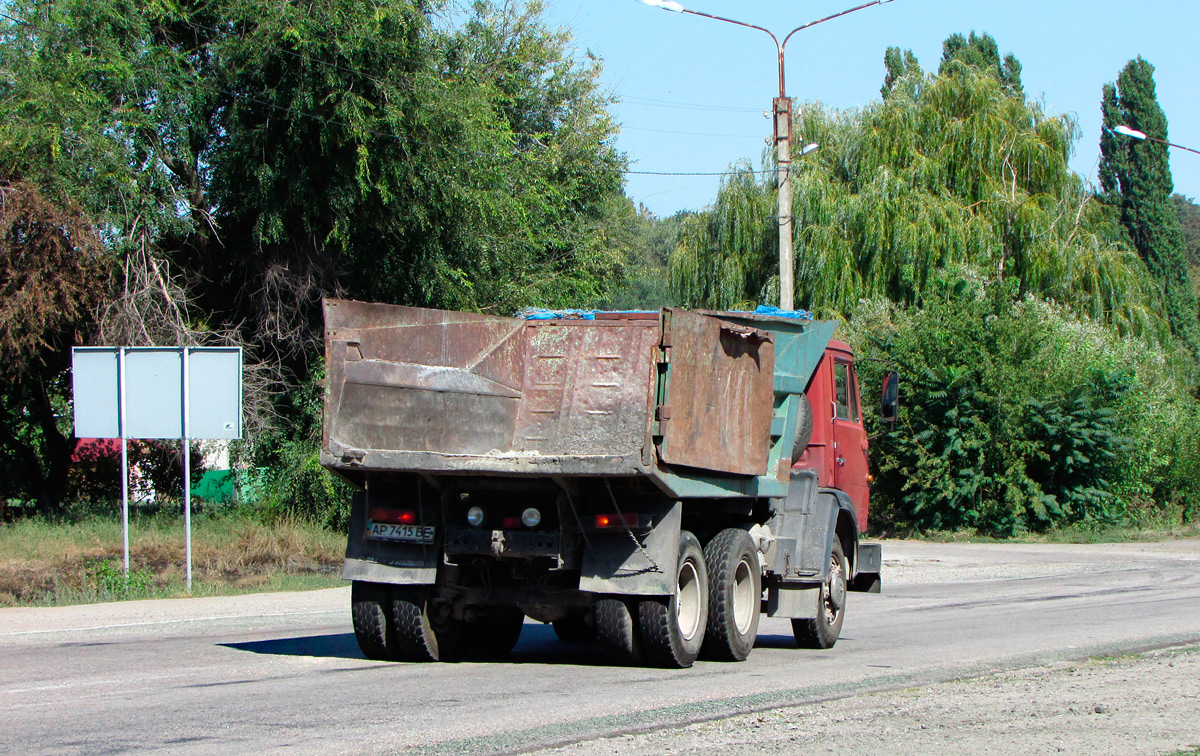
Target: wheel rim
[[743, 597], [834, 590], [688, 601]]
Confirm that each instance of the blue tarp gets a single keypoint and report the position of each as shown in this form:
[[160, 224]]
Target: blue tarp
[[776, 312], [538, 313]]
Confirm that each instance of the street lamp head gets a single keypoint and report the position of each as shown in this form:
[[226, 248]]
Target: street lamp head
[[1134, 133], [808, 148], [669, 5]]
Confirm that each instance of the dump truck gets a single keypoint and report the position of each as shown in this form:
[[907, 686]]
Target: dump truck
[[653, 480]]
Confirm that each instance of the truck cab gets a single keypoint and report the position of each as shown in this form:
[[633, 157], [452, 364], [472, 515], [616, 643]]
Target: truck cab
[[837, 448]]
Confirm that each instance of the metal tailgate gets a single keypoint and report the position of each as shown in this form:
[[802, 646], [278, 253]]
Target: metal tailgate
[[716, 406]]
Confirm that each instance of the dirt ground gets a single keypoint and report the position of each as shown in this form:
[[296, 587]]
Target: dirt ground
[[1131, 705]]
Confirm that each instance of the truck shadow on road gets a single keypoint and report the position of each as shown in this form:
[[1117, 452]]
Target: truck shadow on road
[[332, 646], [538, 645]]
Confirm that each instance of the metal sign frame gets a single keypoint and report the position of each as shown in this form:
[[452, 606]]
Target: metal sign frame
[[180, 393]]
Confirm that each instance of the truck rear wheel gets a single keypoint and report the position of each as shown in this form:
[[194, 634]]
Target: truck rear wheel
[[370, 610], [617, 628], [422, 635], [823, 631], [673, 628], [734, 595]]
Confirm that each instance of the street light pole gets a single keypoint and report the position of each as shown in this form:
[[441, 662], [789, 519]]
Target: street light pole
[[782, 114], [1135, 134]]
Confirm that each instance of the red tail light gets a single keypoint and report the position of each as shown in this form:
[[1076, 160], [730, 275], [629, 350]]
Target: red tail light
[[394, 516], [617, 521]]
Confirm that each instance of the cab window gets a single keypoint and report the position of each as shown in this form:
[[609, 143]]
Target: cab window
[[845, 397]]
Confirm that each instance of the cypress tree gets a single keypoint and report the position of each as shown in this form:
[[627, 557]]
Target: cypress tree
[[1135, 178]]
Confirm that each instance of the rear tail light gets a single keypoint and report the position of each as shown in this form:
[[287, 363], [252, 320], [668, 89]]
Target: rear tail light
[[394, 516], [604, 521]]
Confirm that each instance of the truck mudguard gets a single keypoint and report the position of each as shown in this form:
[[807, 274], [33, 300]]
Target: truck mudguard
[[804, 526], [818, 537], [385, 561], [620, 563]]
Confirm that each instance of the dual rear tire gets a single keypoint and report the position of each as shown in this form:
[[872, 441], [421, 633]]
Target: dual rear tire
[[402, 623], [664, 632], [734, 595], [714, 610]]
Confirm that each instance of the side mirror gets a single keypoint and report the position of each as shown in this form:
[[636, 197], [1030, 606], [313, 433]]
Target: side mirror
[[890, 405]]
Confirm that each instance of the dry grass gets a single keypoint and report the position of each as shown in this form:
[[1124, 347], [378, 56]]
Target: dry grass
[[45, 563]]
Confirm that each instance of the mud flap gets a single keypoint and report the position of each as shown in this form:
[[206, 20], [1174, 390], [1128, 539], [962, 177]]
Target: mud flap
[[870, 559], [614, 564]]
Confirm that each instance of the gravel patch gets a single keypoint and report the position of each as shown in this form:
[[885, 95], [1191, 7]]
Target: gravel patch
[[1146, 704]]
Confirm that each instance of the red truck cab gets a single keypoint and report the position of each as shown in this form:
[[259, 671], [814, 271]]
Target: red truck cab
[[837, 449]]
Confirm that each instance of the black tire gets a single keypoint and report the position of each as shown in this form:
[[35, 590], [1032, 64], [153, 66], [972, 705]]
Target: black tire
[[370, 610], [804, 428], [494, 635], [673, 628], [823, 631], [575, 628], [420, 636], [734, 595], [617, 628]]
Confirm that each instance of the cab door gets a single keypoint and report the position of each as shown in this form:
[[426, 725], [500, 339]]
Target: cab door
[[850, 471]]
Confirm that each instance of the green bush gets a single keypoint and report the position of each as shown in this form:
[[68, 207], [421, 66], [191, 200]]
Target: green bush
[[1017, 416], [106, 579]]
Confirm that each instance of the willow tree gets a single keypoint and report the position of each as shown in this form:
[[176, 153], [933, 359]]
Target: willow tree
[[950, 170]]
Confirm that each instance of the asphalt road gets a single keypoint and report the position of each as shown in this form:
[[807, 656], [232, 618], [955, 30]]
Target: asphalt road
[[274, 673]]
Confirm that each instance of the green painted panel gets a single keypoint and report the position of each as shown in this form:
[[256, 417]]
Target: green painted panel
[[699, 485]]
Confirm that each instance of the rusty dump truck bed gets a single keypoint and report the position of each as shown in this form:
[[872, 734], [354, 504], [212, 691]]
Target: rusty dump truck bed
[[627, 394]]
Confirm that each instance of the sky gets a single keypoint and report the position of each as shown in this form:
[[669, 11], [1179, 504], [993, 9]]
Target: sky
[[692, 91]]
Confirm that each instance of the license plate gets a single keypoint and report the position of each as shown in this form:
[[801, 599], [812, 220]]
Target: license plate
[[411, 533]]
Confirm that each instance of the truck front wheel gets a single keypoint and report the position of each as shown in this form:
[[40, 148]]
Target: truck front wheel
[[823, 631], [422, 634], [673, 628], [370, 609], [734, 595]]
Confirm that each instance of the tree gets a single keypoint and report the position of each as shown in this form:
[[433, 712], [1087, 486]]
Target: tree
[[981, 53], [902, 68], [1135, 178], [51, 276], [962, 175], [239, 159]]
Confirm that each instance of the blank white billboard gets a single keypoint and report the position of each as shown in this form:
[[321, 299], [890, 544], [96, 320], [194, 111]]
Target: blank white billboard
[[154, 392]]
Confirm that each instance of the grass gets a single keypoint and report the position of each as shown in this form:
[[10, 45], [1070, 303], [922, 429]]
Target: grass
[[48, 563]]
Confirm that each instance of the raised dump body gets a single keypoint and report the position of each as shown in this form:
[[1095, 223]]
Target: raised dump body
[[580, 471]]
